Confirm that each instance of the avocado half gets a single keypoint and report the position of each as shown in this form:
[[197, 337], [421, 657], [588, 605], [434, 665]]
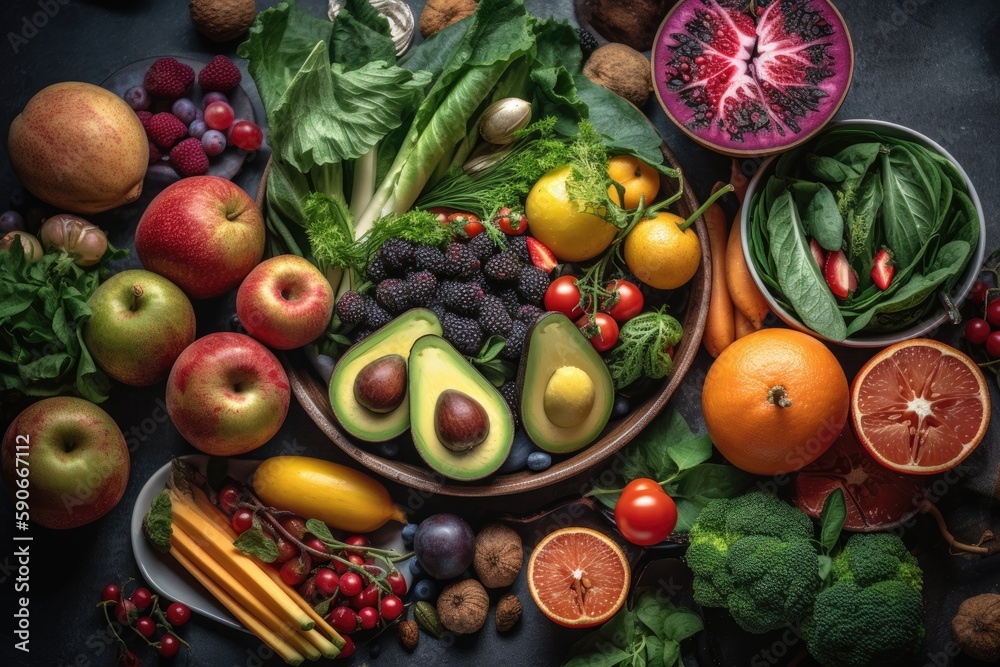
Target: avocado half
[[554, 342], [397, 337], [435, 366]]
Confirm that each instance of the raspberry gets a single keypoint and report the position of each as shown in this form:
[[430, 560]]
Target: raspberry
[[165, 129], [155, 154], [169, 78], [220, 74], [189, 157], [144, 117]]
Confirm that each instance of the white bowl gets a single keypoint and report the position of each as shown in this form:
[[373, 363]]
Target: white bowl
[[925, 326]]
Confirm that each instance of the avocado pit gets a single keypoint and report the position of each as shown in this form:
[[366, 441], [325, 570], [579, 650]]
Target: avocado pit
[[460, 421], [381, 385], [569, 396]]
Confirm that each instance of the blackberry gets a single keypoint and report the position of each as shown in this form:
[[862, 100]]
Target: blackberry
[[375, 270], [361, 333], [529, 313], [461, 298], [532, 284], [438, 310], [460, 262], [421, 285], [394, 295], [515, 341], [511, 300], [463, 333], [493, 317], [429, 258], [351, 308], [519, 244], [509, 392], [503, 268], [588, 42], [396, 255], [482, 247], [375, 315]]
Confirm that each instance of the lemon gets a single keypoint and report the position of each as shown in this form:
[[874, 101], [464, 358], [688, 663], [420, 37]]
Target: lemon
[[553, 219], [662, 255]]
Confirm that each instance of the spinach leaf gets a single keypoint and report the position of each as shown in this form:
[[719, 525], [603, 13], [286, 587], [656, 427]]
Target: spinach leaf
[[861, 233], [909, 204], [823, 221], [851, 163], [799, 275]]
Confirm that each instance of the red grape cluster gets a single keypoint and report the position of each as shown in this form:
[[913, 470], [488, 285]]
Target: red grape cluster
[[984, 330], [141, 612]]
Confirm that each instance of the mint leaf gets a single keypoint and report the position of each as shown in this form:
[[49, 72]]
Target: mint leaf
[[255, 543], [319, 529], [157, 524]]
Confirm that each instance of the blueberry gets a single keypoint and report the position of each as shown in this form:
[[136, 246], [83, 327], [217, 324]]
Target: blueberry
[[214, 97], [374, 649], [415, 569], [539, 461], [214, 142], [621, 408], [199, 114], [185, 110], [409, 530], [519, 451], [138, 98], [11, 221], [197, 129], [236, 325], [325, 364], [425, 589]]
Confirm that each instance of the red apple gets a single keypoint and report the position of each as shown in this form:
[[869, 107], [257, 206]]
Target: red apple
[[66, 460], [140, 322], [227, 394], [204, 233], [285, 302]]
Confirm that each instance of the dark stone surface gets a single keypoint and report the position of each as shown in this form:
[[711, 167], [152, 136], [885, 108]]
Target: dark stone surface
[[928, 64]]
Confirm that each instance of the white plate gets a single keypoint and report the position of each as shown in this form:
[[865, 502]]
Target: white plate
[[168, 578]]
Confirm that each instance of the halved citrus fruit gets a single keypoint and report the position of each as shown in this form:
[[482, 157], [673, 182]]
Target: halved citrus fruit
[[920, 406], [578, 577]]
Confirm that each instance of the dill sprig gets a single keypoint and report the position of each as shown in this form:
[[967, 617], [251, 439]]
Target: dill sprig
[[589, 182]]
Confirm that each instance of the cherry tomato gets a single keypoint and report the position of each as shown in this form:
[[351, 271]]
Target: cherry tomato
[[993, 313], [469, 223], [977, 331], [601, 330], [512, 222], [978, 293], [397, 583], [442, 213], [178, 613], [993, 345], [391, 607], [169, 646], [629, 303], [563, 296], [644, 513]]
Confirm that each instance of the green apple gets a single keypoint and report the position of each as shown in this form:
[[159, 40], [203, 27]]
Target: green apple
[[66, 460], [140, 324]]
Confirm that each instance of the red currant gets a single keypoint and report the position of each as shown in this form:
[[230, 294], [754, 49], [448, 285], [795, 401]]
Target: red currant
[[978, 293], [246, 135], [242, 520], [993, 313], [351, 584], [340, 567], [397, 582], [360, 542], [145, 626], [366, 598], [130, 659], [356, 559], [286, 550], [219, 115], [391, 607], [123, 610], [369, 617], [169, 645], [317, 544], [178, 614], [326, 581], [228, 498], [110, 593], [348, 649], [977, 330], [141, 598], [343, 619], [993, 345]]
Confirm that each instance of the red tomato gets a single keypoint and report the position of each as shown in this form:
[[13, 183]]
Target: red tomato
[[442, 213], [601, 329], [512, 223], [644, 513], [629, 303], [563, 296], [469, 223]]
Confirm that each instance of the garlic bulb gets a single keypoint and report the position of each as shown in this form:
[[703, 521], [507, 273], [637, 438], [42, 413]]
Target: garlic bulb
[[503, 119]]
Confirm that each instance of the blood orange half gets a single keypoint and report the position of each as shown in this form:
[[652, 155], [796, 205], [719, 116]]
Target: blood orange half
[[578, 577], [920, 406]]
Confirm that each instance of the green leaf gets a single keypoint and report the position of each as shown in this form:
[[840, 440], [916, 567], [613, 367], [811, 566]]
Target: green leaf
[[672, 654], [491, 348], [823, 220], [909, 207], [255, 543], [687, 514], [323, 606], [319, 529], [710, 481], [825, 564], [157, 525], [654, 651], [604, 647], [831, 519], [644, 348], [689, 453], [361, 35]]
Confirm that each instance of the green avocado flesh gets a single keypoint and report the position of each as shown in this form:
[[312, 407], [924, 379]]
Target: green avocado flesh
[[436, 366], [397, 337], [555, 342]]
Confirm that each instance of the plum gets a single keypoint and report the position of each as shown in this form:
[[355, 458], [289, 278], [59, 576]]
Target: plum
[[445, 545]]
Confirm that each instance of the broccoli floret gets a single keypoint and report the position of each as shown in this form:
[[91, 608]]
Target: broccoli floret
[[872, 614], [754, 555]]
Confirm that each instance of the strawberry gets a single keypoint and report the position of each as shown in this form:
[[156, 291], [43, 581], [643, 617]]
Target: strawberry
[[839, 274], [818, 253], [168, 78], [189, 157], [541, 256], [220, 74], [165, 129], [883, 270]]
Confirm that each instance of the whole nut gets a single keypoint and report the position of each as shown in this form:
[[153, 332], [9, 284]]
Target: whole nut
[[409, 634], [508, 612]]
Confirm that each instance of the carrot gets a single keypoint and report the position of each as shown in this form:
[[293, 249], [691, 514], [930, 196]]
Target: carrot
[[743, 325], [276, 643], [720, 330], [743, 290], [739, 180]]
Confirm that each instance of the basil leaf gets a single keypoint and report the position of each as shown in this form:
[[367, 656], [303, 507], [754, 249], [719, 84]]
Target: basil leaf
[[255, 543], [319, 529], [672, 653], [681, 624], [710, 481], [831, 519], [823, 220], [799, 275], [689, 453], [654, 651]]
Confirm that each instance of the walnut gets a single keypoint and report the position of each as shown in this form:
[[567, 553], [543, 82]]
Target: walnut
[[632, 22], [976, 627], [439, 14], [463, 606], [409, 634], [508, 612], [499, 555], [222, 20], [622, 70]]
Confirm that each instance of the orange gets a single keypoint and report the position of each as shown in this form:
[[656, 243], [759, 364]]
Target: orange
[[578, 577], [638, 179], [659, 253], [920, 406], [774, 401]]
